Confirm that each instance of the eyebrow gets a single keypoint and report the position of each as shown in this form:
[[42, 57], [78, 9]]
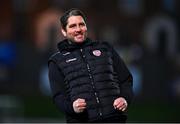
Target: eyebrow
[[81, 23]]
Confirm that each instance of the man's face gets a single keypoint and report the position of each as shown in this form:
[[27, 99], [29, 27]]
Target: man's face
[[76, 29]]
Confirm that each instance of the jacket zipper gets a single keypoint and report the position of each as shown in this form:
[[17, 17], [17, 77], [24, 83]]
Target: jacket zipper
[[92, 81]]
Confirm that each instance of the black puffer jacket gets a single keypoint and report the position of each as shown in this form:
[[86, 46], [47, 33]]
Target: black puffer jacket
[[88, 71]]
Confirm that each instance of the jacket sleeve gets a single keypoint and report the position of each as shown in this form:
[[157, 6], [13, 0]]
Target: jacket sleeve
[[124, 76], [60, 98]]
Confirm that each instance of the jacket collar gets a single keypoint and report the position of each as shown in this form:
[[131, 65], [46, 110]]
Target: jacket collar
[[69, 45]]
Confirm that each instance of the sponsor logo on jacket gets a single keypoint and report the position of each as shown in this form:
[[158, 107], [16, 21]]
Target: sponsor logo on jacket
[[70, 60]]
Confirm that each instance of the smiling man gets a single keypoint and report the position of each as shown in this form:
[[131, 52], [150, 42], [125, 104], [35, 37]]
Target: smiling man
[[88, 79], [76, 29]]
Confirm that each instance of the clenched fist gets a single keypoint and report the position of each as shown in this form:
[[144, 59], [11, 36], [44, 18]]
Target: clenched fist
[[79, 105], [120, 104]]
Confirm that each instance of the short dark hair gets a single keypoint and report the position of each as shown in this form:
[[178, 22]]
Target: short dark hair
[[69, 13]]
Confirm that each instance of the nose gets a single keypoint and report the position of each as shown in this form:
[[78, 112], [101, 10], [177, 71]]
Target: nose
[[78, 28]]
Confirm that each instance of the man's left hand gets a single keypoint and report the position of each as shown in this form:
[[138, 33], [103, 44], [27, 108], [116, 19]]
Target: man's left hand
[[120, 104]]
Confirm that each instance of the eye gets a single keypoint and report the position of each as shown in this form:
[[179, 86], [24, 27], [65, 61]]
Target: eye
[[81, 24], [72, 26]]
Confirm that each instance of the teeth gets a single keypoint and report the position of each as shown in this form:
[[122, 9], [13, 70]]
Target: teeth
[[79, 35]]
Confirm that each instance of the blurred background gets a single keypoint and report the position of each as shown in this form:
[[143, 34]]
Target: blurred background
[[144, 32]]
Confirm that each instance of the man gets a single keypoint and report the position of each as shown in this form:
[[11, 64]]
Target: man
[[89, 81]]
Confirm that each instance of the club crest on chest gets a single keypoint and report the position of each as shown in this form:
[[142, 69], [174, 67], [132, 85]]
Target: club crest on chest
[[96, 52]]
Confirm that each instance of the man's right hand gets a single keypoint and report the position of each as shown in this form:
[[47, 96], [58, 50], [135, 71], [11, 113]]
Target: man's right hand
[[79, 105]]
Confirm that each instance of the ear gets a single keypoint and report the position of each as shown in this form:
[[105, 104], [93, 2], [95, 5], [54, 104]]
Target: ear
[[63, 32]]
